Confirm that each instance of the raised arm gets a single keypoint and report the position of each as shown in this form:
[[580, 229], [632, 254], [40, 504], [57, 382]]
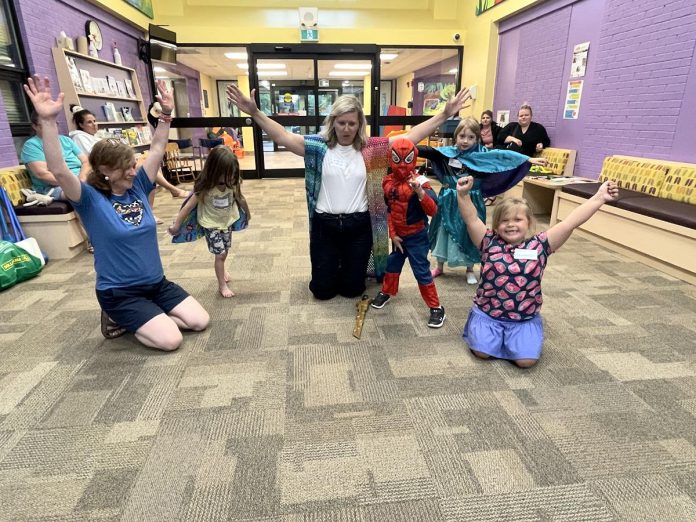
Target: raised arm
[[161, 136], [560, 232], [425, 129], [292, 142], [39, 92], [474, 226]]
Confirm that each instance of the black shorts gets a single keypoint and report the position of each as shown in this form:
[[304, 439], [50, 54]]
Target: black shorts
[[133, 306]]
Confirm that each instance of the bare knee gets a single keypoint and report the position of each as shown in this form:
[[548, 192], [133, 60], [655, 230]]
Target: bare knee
[[481, 355], [200, 322], [525, 363], [166, 340]]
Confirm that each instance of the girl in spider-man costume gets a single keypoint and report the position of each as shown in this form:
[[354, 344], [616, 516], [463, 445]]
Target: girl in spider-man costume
[[410, 200]]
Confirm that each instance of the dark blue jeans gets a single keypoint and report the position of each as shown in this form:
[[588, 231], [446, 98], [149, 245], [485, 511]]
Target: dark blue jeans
[[339, 248], [416, 248]]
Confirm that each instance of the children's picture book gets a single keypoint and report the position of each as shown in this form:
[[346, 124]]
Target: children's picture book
[[100, 85], [86, 81], [127, 114], [109, 111], [121, 89], [74, 74], [129, 88], [132, 136], [147, 134], [113, 88]]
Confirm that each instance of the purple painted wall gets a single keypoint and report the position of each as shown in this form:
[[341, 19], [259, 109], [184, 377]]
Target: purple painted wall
[[640, 68], [40, 21]]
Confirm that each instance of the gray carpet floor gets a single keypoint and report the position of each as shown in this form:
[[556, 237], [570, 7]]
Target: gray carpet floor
[[276, 413]]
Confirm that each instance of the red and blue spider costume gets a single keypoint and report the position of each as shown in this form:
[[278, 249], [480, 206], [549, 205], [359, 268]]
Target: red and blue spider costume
[[409, 204]]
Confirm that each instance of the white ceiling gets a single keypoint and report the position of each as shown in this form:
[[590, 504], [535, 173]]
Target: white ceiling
[[213, 62]]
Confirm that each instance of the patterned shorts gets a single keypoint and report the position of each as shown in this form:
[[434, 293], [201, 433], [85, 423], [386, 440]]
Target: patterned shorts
[[219, 241]]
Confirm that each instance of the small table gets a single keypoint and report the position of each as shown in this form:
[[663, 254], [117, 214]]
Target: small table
[[541, 192]]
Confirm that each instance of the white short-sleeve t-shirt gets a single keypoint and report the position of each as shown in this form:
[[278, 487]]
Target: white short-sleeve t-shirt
[[343, 182]]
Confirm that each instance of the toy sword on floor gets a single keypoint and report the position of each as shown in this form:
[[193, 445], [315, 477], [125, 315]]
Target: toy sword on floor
[[362, 307]]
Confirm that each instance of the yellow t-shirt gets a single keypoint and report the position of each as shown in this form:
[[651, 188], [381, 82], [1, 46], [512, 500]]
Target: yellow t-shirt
[[218, 209]]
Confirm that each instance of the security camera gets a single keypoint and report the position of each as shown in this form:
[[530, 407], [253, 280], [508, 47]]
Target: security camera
[[456, 37]]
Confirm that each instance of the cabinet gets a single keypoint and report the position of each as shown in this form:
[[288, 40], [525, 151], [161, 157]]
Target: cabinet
[[111, 92]]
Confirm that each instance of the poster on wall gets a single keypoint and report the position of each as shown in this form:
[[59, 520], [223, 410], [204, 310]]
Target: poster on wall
[[144, 6], [579, 65], [572, 103], [485, 5], [502, 118], [436, 96]]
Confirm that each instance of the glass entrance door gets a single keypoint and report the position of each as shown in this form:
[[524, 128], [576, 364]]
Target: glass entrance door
[[298, 89]]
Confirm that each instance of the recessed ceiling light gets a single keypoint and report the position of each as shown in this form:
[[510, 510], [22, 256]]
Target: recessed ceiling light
[[243, 65], [236, 56], [388, 56], [272, 73], [159, 69], [270, 66], [349, 73], [452, 71], [353, 66]]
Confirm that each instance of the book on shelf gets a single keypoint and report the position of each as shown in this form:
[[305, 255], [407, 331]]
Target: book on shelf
[[129, 88], [147, 134], [132, 136], [113, 88], [127, 114], [86, 81], [101, 86], [121, 89], [109, 111], [74, 74]]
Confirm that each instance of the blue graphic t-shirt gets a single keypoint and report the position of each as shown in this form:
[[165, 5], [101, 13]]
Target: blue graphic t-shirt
[[123, 232]]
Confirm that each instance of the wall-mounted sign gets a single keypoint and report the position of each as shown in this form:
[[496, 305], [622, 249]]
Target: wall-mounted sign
[[579, 65], [309, 35], [572, 103]]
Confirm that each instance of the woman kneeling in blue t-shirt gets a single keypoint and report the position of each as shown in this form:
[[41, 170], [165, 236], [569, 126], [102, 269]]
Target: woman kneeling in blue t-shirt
[[114, 208]]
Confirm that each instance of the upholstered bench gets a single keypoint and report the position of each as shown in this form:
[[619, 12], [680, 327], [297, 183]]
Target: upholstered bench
[[654, 219], [55, 227]]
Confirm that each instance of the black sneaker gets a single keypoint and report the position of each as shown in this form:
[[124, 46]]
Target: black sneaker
[[380, 300], [437, 317]]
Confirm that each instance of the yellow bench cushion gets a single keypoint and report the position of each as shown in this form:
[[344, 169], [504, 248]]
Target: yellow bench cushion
[[13, 179], [556, 159], [680, 185], [634, 174]]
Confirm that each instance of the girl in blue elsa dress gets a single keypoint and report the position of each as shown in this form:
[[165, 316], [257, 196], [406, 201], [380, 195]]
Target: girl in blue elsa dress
[[494, 171]]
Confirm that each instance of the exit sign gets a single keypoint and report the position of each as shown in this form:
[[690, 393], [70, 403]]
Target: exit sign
[[309, 35]]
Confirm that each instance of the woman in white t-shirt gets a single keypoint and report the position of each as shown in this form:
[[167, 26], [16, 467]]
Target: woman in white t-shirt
[[343, 177]]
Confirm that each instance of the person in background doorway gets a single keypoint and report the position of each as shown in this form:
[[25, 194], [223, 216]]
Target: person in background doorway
[[489, 130]]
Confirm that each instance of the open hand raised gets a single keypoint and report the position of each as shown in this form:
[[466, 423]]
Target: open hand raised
[[456, 102], [244, 102], [39, 92]]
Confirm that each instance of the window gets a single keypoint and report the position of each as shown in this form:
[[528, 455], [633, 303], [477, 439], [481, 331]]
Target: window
[[12, 72]]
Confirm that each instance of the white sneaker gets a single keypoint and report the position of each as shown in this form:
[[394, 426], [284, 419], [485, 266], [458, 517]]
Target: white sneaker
[[471, 278]]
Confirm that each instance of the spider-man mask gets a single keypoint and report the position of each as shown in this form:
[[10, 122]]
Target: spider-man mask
[[402, 159]]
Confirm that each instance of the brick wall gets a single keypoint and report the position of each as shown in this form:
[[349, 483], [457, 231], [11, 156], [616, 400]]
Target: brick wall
[[640, 69], [40, 21]]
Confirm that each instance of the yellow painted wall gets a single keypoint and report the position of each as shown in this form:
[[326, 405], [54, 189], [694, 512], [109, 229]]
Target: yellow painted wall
[[481, 48], [125, 11], [209, 85]]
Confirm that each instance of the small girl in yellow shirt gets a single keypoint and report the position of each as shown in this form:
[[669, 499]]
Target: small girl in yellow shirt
[[221, 207]]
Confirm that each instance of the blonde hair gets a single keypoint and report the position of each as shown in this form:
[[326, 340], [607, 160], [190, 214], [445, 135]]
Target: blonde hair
[[471, 124], [509, 205], [526, 107], [343, 105], [109, 153]]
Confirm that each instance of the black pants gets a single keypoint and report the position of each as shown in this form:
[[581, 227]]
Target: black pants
[[339, 248]]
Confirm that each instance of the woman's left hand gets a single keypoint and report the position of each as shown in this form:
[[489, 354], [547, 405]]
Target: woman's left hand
[[456, 102], [165, 97], [538, 161], [539, 147]]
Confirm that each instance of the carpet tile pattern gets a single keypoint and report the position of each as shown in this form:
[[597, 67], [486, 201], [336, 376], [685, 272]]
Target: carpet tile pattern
[[277, 414]]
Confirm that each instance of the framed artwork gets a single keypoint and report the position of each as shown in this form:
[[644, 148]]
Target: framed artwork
[[226, 108], [144, 6], [485, 5]]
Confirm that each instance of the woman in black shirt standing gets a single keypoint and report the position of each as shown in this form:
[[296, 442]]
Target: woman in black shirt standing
[[525, 136]]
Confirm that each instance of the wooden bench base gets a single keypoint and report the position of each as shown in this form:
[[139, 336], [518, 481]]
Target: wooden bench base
[[59, 236], [668, 247]]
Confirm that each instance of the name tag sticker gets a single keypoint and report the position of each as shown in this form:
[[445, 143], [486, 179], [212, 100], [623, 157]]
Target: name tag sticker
[[525, 253], [454, 162]]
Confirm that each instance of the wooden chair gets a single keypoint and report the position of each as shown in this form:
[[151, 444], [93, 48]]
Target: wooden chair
[[178, 169]]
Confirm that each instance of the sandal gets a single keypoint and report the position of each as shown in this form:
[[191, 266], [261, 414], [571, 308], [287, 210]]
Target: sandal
[[109, 328]]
